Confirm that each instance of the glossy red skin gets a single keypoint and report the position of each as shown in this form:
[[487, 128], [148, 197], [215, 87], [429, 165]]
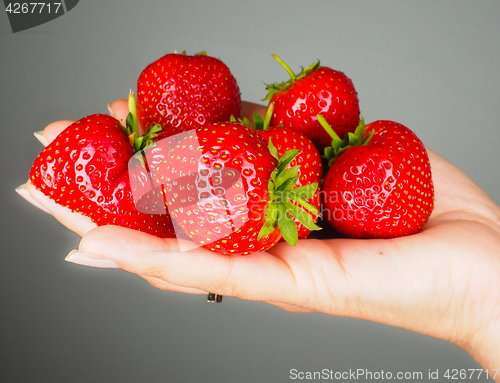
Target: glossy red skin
[[183, 92], [222, 146], [86, 169], [382, 190], [311, 166], [324, 91]]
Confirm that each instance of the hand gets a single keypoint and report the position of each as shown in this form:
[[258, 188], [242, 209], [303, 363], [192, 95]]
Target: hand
[[443, 282]]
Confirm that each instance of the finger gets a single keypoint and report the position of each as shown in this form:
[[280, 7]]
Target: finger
[[86, 259], [362, 279], [162, 285], [248, 109], [119, 110], [257, 277], [292, 308], [21, 190], [51, 131], [76, 222]]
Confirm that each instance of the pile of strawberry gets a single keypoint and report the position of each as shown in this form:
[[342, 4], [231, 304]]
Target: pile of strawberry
[[232, 186]]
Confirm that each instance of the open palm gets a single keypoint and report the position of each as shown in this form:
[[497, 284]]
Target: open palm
[[443, 281]]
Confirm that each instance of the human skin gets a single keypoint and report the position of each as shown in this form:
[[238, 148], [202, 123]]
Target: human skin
[[443, 282]]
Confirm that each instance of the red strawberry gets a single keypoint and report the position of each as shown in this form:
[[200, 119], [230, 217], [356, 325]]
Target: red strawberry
[[309, 159], [228, 191], [182, 92], [379, 185], [86, 169], [315, 90]]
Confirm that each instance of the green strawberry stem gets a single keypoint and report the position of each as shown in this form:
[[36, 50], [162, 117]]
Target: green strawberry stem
[[287, 68], [334, 136], [269, 115], [184, 53], [131, 129], [338, 145], [278, 87], [280, 210], [132, 108]]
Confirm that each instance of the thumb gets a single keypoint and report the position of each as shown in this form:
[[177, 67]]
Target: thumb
[[117, 109], [51, 131]]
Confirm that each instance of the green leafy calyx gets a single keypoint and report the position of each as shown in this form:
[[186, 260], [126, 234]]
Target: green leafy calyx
[[281, 86], [338, 145], [131, 128], [280, 210], [184, 53]]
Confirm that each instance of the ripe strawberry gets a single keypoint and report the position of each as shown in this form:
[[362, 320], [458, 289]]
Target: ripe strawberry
[[229, 191], [315, 90], [309, 159], [379, 185], [182, 92], [86, 169]]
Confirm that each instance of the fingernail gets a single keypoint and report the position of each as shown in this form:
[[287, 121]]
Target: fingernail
[[21, 190], [41, 138], [110, 110], [91, 260]]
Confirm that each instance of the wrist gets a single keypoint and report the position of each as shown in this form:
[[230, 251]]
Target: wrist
[[484, 347]]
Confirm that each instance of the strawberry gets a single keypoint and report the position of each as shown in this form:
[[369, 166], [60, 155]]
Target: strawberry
[[86, 170], [229, 190], [315, 90], [182, 92], [379, 184], [309, 159]]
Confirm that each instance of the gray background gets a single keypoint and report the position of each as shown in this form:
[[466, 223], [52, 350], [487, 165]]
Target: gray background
[[431, 65]]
